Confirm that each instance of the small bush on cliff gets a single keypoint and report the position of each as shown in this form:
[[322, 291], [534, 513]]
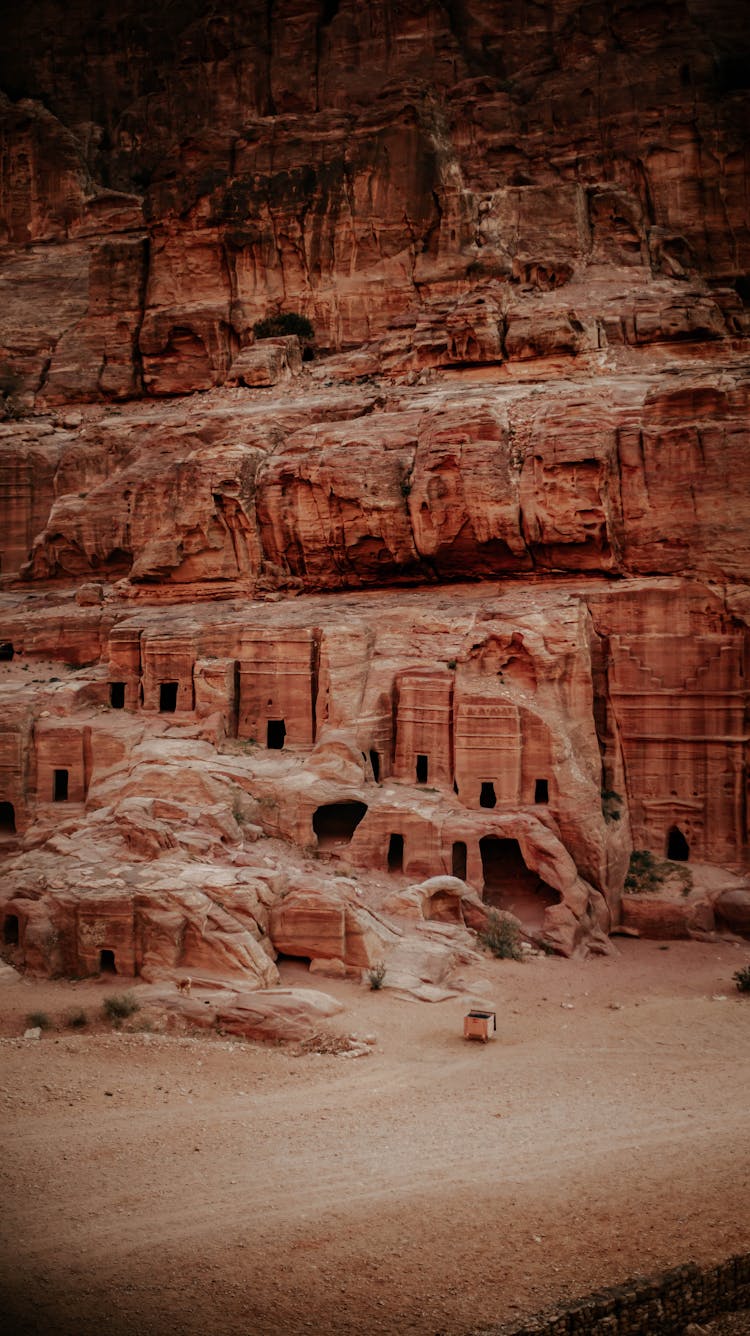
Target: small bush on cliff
[[742, 979], [611, 804], [11, 407], [39, 1020], [501, 937], [287, 323], [647, 874], [376, 975], [77, 1020], [119, 1006]]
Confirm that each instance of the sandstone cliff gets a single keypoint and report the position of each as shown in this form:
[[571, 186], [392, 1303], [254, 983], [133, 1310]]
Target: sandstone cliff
[[456, 589]]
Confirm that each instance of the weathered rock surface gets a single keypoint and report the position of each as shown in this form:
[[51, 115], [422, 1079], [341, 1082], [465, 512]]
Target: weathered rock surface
[[455, 608], [170, 179]]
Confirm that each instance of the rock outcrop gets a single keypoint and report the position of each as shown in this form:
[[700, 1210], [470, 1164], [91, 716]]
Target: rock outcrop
[[449, 600]]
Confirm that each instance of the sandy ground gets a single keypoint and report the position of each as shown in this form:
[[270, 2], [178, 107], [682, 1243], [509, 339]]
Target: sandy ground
[[156, 1183]]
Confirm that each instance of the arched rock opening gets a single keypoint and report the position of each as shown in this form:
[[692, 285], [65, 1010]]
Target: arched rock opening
[[678, 848], [11, 930], [107, 964], [510, 884], [7, 819], [336, 822], [443, 908]]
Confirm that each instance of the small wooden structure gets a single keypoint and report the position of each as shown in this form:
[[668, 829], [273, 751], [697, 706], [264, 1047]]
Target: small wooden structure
[[480, 1025]]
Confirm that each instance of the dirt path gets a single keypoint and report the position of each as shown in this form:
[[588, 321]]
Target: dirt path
[[157, 1183]]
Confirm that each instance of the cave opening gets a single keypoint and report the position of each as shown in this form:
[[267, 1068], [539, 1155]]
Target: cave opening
[[509, 884], [107, 962], [11, 930], [6, 651], [541, 791], [60, 786], [117, 695], [275, 734], [422, 768], [7, 818], [487, 795], [678, 848], [336, 822], [396, 853], [375, 763], [458, 859], [168, 697]]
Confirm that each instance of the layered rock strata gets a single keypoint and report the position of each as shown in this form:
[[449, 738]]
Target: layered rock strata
[[450, 599]]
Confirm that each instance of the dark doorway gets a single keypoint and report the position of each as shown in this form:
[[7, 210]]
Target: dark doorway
[[458, 860], [107, 962], [60, 786], [487, 796], [422, 769], [6, 651], [275, 734], [117, 695], [336, 822], [7, 818], [541, 791], [10, 930], [375, 763], [168, 697], [396, 853], [678, 848], [510, 884]]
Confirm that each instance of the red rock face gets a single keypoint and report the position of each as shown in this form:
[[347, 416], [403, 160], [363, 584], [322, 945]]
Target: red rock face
[[456, 589]]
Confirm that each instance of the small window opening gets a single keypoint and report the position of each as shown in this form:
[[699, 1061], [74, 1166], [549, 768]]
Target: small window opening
[[541, 791], [107, 962], [458, 860], [8, 818], [375, 763], [396, 853], [678, 848], [10, 930], [487, 796], [168, 697], [117, 695], [422, 769], [275, 734], [6, 651], [60, 786]]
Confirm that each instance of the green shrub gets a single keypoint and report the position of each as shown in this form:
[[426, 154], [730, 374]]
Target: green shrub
[[11, 407], [119, 1006], [39, 1020], [287, 323], [502, 937], [742, 979], [376, 975], [611, 804], [647, 873]]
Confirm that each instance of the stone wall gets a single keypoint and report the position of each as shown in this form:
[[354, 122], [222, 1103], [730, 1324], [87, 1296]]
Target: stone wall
[[665, 1304]]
